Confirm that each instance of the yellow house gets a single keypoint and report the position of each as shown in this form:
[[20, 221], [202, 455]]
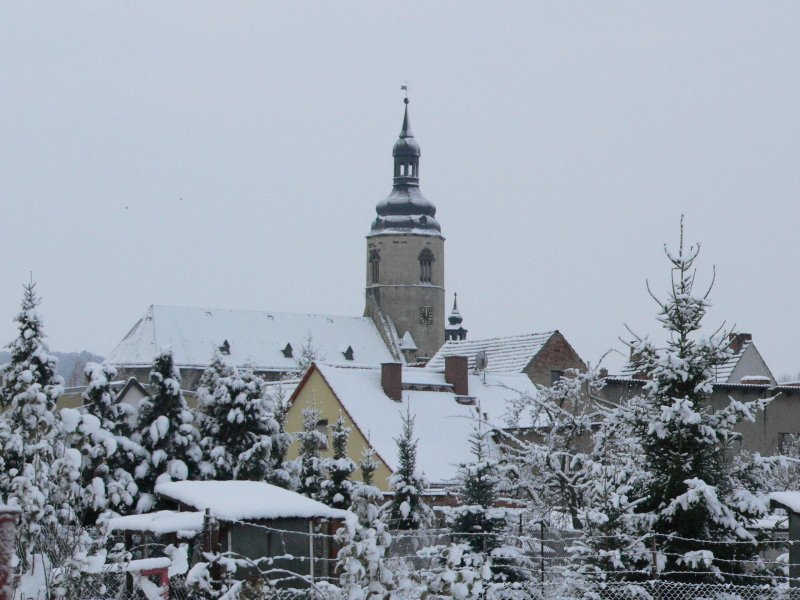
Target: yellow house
[[373, 400]]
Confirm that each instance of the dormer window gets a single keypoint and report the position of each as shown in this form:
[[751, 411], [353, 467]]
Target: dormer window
[[374, 265], [225, 348], [425, 265], [287, 352], [348, 354]]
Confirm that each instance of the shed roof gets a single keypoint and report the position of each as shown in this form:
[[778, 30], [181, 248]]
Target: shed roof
[[789, 500], [159, 522], [245, 500], [255, 338]]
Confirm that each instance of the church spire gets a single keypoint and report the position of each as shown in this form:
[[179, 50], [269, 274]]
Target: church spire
[[406, 208], [406, 131]]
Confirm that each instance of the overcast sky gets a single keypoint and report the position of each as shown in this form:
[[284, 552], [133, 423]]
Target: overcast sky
[[231, 155]]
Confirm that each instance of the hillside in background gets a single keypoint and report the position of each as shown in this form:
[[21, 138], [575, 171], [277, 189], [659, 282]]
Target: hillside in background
[[70, 365]]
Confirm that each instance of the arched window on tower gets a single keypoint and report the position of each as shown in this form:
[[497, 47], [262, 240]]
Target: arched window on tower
[[374, 265], [425, 265]]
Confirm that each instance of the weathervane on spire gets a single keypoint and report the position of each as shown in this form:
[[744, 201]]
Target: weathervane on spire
[[404, 87]]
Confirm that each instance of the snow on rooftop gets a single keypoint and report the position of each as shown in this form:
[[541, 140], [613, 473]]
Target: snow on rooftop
[[505, 354], [245, 500], [790, 500], [256, 338], [160, 522], [442, 425], [407, 342]]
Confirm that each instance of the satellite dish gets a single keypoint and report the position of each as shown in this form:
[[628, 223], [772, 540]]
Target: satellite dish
[[481, 360]]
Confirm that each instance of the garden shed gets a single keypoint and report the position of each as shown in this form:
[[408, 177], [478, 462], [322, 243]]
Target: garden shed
[[257, 520]]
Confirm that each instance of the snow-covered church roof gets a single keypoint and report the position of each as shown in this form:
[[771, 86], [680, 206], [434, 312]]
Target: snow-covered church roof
[[442, 425], [256, 338], [509, 354]]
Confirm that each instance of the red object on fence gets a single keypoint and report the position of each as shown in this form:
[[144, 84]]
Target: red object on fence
[[163, 580], [8, 527]]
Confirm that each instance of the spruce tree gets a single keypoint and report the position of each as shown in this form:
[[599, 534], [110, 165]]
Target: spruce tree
[[337, 488], [695, 504], [283, 471], [166, 431], [368, 465], [308, 355], [476, 517], [363, 559], [309, 461], [236, 427], [406, 509], [31, 384], [38, 473], [101, 435]]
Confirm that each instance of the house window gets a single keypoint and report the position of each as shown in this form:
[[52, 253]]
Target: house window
[[374, 265], [425, 265], [322, 427], [555, 376]]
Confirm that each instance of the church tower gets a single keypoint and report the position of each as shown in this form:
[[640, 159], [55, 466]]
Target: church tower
[[405, 257]]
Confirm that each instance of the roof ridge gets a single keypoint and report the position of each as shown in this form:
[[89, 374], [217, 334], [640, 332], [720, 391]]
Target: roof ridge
[[256, 310]]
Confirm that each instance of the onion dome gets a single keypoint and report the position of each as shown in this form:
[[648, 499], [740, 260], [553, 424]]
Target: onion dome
[[405, 208]]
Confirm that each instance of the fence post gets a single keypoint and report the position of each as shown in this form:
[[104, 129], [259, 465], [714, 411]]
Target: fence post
[[654, 553], [541, 550], [8, 531], [311, 548]]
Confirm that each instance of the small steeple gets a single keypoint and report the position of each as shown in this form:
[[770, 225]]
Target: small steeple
[[456, 329], [455, 317]]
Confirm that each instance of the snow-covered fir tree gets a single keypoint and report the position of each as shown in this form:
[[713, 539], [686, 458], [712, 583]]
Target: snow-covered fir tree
[[31, 384], [337, 488], [308, 355], [613, 545], [476, 517], [166, 430], [363, 563], [39, 474], [367, 465], [309, 461], [407, 510], [697, 507], [236, 425], [101, 435], [30, 429], [283, 471]]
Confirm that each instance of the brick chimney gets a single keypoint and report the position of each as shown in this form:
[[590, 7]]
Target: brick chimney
[[737, 340], [392, 380], [456, 373]]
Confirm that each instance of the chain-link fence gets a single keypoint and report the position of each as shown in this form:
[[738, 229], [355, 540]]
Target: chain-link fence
[[302, 565]]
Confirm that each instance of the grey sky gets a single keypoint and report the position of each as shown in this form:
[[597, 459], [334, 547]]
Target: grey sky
[[232, 154]]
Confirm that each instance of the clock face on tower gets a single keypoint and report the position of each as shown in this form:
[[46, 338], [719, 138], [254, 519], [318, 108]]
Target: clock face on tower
[[426, 315]]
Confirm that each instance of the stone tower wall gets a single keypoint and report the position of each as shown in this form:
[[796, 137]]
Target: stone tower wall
[[399, 292]]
